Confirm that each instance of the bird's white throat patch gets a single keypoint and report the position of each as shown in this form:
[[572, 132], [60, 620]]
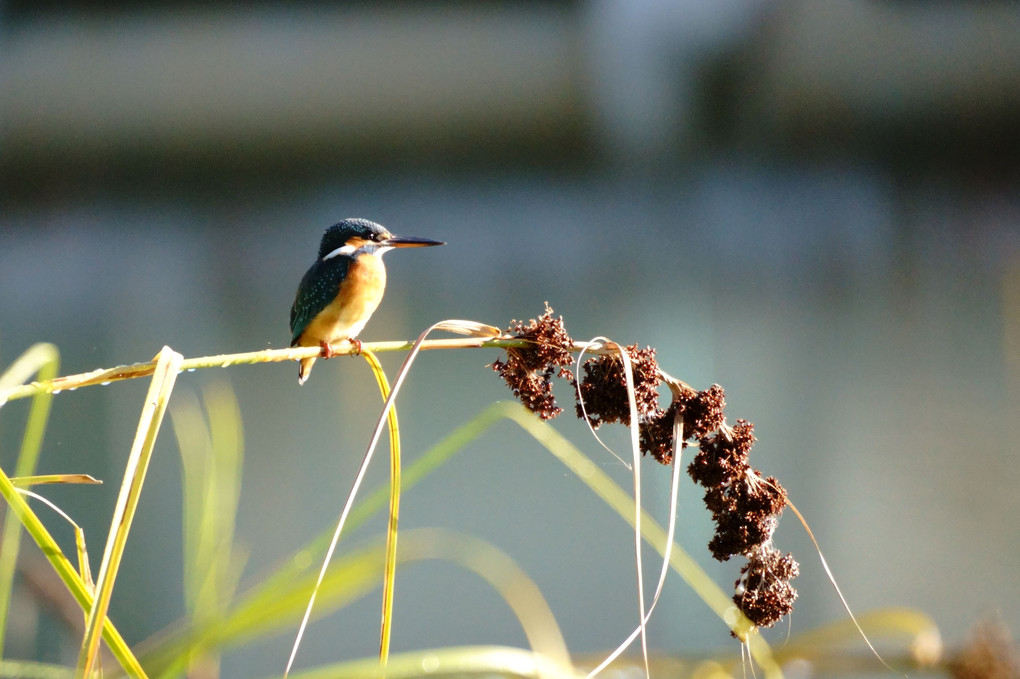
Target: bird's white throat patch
[[345, 250]]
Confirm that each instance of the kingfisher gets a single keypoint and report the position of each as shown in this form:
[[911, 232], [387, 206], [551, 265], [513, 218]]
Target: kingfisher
[[343, 288]]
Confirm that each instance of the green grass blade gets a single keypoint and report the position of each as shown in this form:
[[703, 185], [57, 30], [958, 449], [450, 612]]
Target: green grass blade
[[212, 454], [67, 573], [390, 567], [163, 379], [482, 661], [42, 360]]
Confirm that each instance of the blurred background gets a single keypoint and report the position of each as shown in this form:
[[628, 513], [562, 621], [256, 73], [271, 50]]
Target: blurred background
[[811, 203]]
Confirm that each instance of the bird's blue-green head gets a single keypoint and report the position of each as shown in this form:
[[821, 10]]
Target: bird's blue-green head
[[355, 236]]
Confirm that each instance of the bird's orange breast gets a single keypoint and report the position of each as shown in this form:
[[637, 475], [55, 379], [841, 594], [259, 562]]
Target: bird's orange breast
[[356, 300]]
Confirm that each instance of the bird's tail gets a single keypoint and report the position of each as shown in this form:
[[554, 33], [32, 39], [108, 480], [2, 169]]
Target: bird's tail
[[304, 369]]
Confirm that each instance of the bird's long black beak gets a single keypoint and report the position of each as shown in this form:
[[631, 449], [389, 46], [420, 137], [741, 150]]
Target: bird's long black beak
[[410, 242]]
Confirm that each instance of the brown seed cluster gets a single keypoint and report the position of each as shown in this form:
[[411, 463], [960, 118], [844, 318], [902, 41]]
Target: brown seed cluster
[[703, 411], [603, 389], [656, 434], [746, 509], [763, 591], [529, 370], [744, 505], [700, 412]]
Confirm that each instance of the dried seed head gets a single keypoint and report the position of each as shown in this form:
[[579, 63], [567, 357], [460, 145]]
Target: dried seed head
[[703, 411], [529, 370], [603, 389], [763, 591], [745, 507], [657, 434], [740, 532], [722, 457]]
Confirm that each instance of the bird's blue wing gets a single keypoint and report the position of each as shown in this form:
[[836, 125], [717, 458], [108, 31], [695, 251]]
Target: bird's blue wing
[[317, 289]]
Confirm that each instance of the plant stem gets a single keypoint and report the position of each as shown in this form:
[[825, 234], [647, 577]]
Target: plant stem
[[104, 376]]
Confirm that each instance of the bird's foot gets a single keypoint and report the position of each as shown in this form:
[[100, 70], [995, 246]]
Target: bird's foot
[[357, 346], [327, 350]]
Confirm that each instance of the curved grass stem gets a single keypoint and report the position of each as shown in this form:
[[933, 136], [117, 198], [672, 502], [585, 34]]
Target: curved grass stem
[[42, 360], [390, 568]]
